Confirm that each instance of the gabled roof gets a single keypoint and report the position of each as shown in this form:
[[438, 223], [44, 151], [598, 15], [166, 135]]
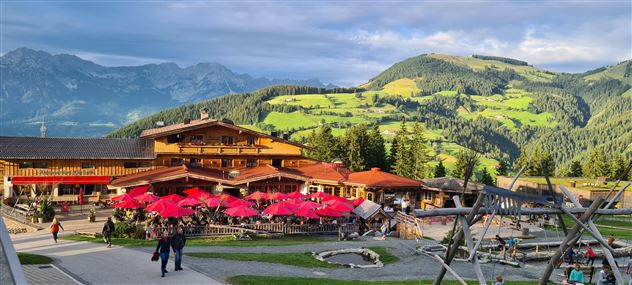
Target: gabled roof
[[324, 172], [74, 148], [375, 178], [451, 184], [205, 123]]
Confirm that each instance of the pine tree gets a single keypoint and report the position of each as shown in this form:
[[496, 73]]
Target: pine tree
[[356, 143], [546, 164], [376, 152], [325, 146], [419, 153], [502, 168], [486, 178], [617, 166], [466, 162], [575, 169], [596, 164], [402, 160], [439, 170]]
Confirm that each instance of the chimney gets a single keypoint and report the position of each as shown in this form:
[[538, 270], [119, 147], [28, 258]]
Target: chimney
[[187, 121], [204, 113], [43, 130]]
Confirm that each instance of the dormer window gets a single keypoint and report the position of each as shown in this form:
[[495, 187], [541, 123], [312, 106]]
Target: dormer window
[[177, 138]]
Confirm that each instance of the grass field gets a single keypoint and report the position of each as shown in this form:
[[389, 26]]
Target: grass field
[[29, 258], [278, 280], [529, 72], [221, 241], [308, 100], [295, 120], [405, 87], [615, 72], [619, 229], [512, 119]]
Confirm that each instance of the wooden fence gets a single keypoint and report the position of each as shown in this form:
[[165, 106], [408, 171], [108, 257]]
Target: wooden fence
[[276, 228], [408, 226]]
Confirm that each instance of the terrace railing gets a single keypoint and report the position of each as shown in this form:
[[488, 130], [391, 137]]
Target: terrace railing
[[274, 228]]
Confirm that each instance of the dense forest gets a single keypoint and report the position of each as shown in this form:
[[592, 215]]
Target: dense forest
[[562, 117]]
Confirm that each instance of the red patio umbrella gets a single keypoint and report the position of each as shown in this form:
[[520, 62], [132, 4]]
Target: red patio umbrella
[[241, 212], [215, 202], [328, 212], [189, 202], [358, 201], [296, 195], [307, 213], [128, 204], [278, 209], [160, 205], [173, 198], [239, 203], [309, 205], [227, 198], [340, 207], [122, 197], [257, 196], [293, 203], [138, 190], [147, 198], [319, 195], [336, 198], [193, 191], [175, 211], [277, 196]]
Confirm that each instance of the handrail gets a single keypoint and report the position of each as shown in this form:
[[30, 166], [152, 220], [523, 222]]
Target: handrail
[[271, 228], [15, 268]]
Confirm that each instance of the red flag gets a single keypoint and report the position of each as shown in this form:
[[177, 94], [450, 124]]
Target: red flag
[[80, 196]]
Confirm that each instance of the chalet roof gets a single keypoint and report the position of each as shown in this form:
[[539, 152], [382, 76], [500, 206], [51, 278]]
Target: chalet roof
[[204, 123], [324, 172], [368, 209], [375, 178], [451, 184], [74, 148]]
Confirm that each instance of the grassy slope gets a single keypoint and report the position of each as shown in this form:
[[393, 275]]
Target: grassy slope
[[615, 72], [404, 87], [529, 72], [278, 280]]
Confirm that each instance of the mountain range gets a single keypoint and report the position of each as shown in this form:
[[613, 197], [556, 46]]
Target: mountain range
[[75, 97]]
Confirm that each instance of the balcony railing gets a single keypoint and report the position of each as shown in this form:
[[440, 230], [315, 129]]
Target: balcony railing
[[219, 149]]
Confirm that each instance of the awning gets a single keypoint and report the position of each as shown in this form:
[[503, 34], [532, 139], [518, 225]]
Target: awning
[[47, 180]]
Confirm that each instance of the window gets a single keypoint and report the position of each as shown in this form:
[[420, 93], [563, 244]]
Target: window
[[277, 162], [428, 196], [226, 140], [26, 164], [195, 162], [40, 165], [176, 161], [129, 164], [227, 162], [88, 165], [197, 139], [251, 163], [178, 138], [252, 140]]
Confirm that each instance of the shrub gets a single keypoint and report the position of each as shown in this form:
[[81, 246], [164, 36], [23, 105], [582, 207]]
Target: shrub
[[46, 211], [125, 230]]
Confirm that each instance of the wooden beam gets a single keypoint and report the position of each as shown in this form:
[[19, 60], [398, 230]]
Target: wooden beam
[[449, 269], [569, 241], [480, 239], [524, 211], [607, 251], [465, 227]]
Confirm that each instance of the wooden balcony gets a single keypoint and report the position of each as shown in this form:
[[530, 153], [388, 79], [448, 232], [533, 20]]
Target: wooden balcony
[[219, 149]]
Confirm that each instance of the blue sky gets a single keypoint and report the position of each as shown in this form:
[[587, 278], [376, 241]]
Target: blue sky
[[345, 43]]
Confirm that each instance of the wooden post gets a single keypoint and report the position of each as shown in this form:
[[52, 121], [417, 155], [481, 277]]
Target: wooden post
[[568, 241], [465, 227], [447, 267], [597, 235]]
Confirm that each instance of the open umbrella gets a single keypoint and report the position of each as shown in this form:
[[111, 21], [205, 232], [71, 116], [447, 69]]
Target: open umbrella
[[227, 198], [307, 213], [122, 197], [296, 195], [173, 198], [138, 190], [241, 212], [257, 196], [193, 191], [175, 211], [340, 207], [278, 209], [358, 201], [215, 202], [128, 204], [160, 205], [239, 203], [328, 212], [189, 202], [293, 203], [147, 198], [335, 198], [309, 205], [319, 195], [277, 196]]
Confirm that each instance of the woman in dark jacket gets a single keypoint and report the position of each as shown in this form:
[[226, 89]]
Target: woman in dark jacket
[[178, 241], [164, 244]]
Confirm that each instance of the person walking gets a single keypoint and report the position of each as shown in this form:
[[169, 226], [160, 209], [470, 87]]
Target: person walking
[[54, 228], [164, 244], [108, 229], [178, 241], [591, 255]]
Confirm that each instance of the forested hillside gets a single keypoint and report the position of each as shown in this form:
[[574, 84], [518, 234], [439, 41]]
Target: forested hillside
[[499, 107]]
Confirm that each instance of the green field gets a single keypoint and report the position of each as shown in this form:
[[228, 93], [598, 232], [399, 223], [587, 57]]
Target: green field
[[529, 72], [307, 101], [405, 87], [616, 72], [297, 120], [278, 280], [512, 119]]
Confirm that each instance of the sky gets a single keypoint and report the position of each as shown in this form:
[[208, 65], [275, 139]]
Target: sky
[[345, 43]]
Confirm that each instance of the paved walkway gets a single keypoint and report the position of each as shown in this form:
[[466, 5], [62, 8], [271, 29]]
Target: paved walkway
[[93, 263]]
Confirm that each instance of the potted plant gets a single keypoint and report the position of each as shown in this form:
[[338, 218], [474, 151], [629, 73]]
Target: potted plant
[[46, 211], [92, 217]]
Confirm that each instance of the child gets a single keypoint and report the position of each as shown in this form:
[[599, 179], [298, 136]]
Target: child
[[499, 280], [576, 276]]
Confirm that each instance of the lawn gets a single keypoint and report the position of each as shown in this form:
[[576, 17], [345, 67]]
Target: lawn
[[307, 100], [278, 280], [297, 120], [624, 232], [405, 87], [29, 258], [219, 241], [302, 259], [513, 118]]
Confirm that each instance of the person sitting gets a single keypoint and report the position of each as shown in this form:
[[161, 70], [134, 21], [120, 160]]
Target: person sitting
[[576, 275]]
